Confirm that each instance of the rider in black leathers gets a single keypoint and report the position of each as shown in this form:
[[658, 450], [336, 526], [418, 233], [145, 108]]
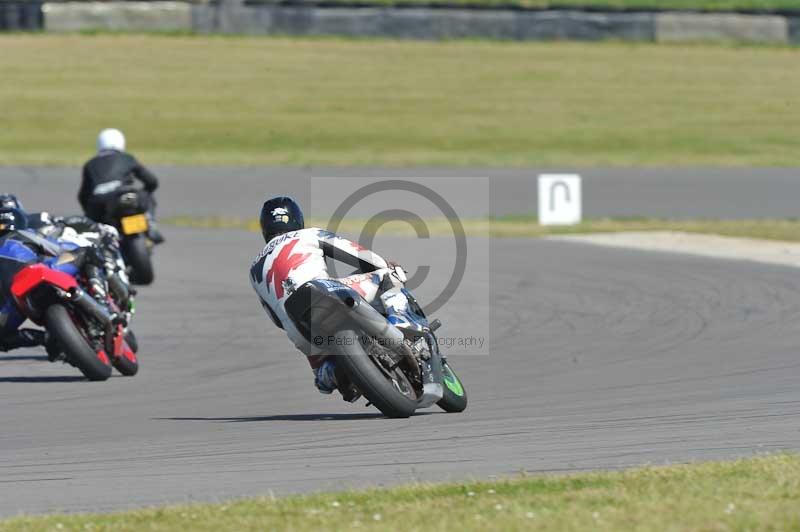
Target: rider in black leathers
[[109, 170]]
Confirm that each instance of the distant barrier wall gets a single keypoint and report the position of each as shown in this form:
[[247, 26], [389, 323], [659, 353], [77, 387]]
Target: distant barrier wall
[[117, 16], [20, 16], [402, 23]]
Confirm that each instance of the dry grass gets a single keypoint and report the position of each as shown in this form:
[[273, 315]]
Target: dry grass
[[755, 494], [241, 101]]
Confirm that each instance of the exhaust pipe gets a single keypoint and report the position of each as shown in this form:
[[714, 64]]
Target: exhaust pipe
[[375, 325], [87, 304]]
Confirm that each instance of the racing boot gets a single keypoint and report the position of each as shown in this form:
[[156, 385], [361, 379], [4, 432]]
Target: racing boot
[[330, 376], [22, 338], [325, 377], [153, 233], [54, 351], [348, 390]]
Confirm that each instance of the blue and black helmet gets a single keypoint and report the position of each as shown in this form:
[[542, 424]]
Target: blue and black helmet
[[280, 215], [12, 220], [10, 201]]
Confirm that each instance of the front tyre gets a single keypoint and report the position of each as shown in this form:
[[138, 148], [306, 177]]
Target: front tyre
[[133, 342], [137, 256], [127, 363], [455, 396], [389, 392], [95, 366]]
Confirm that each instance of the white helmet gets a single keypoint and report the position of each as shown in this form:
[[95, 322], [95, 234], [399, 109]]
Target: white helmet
[[111, 139]]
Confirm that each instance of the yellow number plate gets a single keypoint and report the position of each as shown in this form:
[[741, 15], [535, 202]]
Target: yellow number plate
[[132, 225]]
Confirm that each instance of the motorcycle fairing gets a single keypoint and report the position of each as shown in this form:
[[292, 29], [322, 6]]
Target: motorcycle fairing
[[32, 276], [14, 250]]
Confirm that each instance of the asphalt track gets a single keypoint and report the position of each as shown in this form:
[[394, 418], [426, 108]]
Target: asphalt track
[[600, 358], [667, 193]]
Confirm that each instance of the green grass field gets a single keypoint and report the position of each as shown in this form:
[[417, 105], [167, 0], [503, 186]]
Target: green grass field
[[243, 101], [785, 230], [754, 494]]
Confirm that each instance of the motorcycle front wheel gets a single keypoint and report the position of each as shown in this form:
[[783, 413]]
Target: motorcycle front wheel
[[455, 396], [94, 365], [133, 342], [127, 363]]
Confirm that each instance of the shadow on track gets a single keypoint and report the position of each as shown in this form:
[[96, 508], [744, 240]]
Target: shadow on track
[[44, 379], [283, 417]]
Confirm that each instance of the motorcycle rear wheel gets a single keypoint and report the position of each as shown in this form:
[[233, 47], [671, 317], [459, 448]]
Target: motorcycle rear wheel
[[374, 382], [137, 256], [79, 353]]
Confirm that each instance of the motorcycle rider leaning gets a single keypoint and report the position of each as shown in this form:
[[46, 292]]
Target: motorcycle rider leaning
[[295, 255], [95, 248], [53, 227], [111, 169], [79, 231], [33, 220]]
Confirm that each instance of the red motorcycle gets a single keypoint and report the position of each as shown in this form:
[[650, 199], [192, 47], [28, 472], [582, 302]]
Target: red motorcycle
[[91, 335]]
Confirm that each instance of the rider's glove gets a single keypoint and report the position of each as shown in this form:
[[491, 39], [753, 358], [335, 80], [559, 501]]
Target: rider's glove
[[108, 230], [397, 271], [94, 255], [109, 240]]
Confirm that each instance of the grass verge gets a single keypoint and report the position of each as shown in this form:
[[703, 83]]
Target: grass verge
[[275, 101], [522, 226], [760, 493]]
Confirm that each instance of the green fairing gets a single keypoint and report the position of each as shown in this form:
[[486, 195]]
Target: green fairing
[[452, 382]]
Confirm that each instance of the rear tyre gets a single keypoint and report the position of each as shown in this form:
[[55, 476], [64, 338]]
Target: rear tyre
[[373, 383], [137, 256], [455, 396], [78, 351]]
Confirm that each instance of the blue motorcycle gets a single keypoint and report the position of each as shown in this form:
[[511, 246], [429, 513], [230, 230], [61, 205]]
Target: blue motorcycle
[[46, 289]]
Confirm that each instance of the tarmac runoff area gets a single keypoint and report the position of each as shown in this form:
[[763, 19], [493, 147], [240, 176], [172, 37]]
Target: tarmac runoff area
[[714, 246]]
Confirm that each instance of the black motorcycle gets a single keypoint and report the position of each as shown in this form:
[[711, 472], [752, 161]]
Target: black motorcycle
[[127, 211], [395, 363]]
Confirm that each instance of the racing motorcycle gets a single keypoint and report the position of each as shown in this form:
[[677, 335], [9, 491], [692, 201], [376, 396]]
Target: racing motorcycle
[[127, 211], [393, 361], [88, 334]]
